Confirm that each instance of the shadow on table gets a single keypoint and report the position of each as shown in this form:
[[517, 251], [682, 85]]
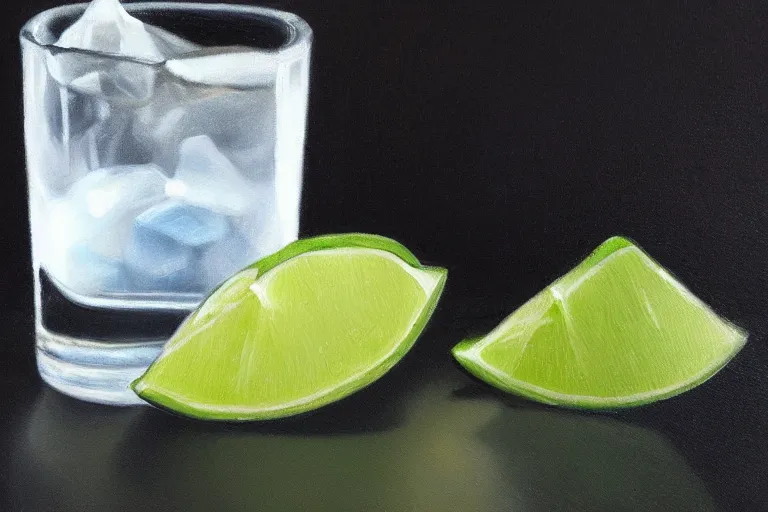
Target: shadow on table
[[721, 428], [561, 461], [60, 453], [430, 461], [424, 437], [68, 455], [449, 451]]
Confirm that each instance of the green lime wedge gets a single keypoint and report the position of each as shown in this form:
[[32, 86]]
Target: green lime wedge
[[616, 331], [299, 329]]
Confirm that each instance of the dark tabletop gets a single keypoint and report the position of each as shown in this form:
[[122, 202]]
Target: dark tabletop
[[504, 142]]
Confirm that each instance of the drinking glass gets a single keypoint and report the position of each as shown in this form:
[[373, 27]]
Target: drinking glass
[[150, 183]]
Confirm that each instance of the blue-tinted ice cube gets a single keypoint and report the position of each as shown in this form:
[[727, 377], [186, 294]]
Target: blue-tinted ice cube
[[159, 263], [188, 225], [168, 240], [157, 255], [92, 273]]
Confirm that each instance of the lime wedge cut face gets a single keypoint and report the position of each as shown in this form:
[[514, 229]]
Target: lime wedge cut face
[[616, 331], [299, 329]]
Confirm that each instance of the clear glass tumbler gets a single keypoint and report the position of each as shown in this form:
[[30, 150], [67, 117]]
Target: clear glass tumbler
[[151, 182]]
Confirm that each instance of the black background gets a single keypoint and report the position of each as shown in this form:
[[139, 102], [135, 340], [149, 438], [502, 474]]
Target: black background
[[504, 141]]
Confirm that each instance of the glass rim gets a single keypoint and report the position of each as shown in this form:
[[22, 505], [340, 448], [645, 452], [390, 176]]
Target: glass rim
[[298, 41]]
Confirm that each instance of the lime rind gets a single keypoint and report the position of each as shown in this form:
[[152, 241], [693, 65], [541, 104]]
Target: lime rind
[[610, 246], [537, 311], [603, 251], [168, 400], [337, 241]]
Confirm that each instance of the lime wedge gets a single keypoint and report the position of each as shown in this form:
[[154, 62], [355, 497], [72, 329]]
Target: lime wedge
[[299, 329], [616, 331]]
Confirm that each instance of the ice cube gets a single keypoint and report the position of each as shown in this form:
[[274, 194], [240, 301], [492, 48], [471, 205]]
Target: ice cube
[[230, 66], [206, 177], [91, 135], [167, 241], [186, 224], [125, 82], [108, 30], [97, 212], [111, 191], [70, 114], [113, 143], [241, 124], [169, 44], [158, 262], [106, 27]]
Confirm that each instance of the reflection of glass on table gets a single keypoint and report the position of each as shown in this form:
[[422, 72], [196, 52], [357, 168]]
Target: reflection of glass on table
[[155, 175]]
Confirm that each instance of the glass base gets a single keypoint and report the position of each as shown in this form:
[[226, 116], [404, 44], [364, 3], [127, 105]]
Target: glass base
[[91, 370]]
